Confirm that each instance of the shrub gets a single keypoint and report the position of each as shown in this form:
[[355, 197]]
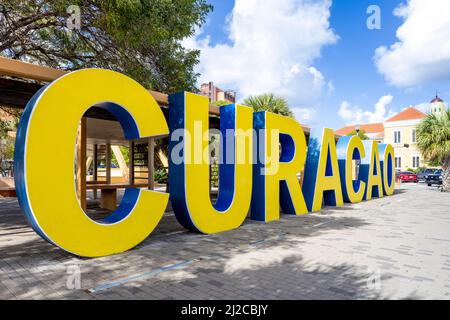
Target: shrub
[[161, 176]]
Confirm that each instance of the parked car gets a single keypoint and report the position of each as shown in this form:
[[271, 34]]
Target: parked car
[[422, 176], [435, 178], [408, 176]]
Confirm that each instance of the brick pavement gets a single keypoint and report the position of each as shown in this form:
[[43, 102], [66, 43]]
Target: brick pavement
[[392, 248]]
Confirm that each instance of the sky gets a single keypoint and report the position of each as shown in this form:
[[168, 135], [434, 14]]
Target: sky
[[336, 62]]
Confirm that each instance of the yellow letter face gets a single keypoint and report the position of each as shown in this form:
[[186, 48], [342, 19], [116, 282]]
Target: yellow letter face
[[190, 164], [275, 180], [322, 179], [387, 167], [370, 170], [46, 148], [350, 148]]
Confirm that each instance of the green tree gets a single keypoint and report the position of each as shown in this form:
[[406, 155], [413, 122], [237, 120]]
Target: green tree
[[9, 120], [6, 148], [125, 153], [360, 133], [269, 102], [433, 140], [221, 103], [140, 38]]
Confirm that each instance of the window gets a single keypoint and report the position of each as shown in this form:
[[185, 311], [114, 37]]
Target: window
[[398, 163], [416, 161], [413, 136], [397, 137]]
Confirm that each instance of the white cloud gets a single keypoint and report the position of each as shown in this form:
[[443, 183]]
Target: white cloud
[[422, 53], [425, 107], [273, 45], [354, 114], [304, 115], [380, 112], [350, 114]]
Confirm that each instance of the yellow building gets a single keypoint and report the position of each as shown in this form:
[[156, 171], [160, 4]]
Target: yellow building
[[400, 132]]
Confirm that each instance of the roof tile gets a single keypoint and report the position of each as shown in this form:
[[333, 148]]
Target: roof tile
[[367, 128], [407, 114]]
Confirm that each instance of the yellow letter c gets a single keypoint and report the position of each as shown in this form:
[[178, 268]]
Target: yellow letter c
[[45, 146]]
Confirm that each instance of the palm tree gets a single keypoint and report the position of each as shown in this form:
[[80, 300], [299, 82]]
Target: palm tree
[[433, 140], [359, 133], [269, 102]]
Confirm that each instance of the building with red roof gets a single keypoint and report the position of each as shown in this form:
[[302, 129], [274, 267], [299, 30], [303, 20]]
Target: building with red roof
[[399, 131], [374, 131]]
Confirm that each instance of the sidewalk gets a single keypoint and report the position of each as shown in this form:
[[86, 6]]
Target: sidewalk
[[391, 248]]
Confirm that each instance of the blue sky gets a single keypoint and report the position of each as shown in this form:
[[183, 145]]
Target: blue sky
[[331, 76]]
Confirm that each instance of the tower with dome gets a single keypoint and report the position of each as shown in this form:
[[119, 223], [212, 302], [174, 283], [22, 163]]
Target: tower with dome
[[437, 105]]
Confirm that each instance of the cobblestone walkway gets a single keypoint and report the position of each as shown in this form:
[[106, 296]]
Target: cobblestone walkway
[[391, 248]]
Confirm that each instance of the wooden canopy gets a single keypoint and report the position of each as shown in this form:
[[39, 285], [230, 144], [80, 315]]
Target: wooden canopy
[[19, 81]]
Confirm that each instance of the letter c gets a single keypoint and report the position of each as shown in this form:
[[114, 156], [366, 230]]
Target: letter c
[[350, 148], [45, 149]]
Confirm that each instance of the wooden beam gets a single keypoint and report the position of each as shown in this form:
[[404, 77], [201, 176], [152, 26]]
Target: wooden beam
[[88, 163], [163, 158], [306, 129], [81, 163], [16, 93], [95, 163], [8, 192], [302, 177], [95, 168], [131, 164], [25, 70], [108, 199], [121, 161], [20, 69], [160, 97], [151, 163], [108, 163]]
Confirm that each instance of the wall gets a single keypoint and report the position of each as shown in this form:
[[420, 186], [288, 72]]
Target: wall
[[405, 153]]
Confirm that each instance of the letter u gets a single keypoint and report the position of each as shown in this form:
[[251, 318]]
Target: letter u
[[189, 177]]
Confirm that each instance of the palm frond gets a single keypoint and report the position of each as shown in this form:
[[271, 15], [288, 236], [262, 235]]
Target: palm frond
[[269, 102], [433, 136]]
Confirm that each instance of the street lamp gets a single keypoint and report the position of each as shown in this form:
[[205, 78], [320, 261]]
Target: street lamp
[[358, 161]]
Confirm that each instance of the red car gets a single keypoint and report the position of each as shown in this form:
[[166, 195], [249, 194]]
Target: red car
[[407, 176]]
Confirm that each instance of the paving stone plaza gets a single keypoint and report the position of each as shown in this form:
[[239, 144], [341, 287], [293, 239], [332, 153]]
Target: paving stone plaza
[[392, 248]]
